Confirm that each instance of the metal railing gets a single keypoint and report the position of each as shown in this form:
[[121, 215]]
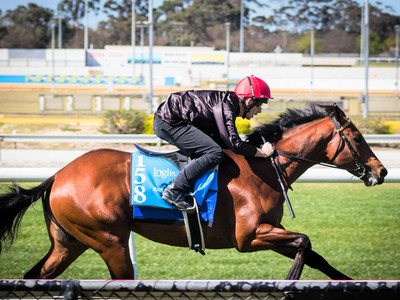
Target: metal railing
[[311, 175], [32, 174], [142, 138], [84, 138], [198, 289]]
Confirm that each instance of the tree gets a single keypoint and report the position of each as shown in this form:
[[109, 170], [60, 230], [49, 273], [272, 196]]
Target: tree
[[337, 41], [299, 15], [338, 23], [117, 29], [382, 30], [172, 24], [74, 10], [303, 43], [201, 22], [3, 28], [26, 27]]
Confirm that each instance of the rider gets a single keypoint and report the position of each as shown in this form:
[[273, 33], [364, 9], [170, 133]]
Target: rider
[[201, 123]]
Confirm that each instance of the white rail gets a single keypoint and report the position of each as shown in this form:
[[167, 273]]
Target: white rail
[[312, 175], [38, 174], [84, 138], [141, 138]]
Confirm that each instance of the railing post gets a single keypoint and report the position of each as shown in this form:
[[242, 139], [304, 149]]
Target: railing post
[[72, 290], [1, 144]]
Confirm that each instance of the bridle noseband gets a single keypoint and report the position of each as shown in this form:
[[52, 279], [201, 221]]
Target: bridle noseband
[[361, 169]]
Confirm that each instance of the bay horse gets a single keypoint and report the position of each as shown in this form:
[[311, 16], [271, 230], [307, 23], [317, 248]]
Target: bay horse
[[86, 203]]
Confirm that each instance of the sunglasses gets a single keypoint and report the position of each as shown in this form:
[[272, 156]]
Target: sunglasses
[[260, 103]]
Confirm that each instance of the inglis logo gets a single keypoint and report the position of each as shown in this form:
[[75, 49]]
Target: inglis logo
[[163, 173]]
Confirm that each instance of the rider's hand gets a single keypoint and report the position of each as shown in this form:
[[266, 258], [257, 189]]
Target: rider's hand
[[266, 150]]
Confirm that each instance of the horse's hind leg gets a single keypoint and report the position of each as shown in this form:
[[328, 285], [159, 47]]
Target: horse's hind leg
[[63, 251], [117, 257]]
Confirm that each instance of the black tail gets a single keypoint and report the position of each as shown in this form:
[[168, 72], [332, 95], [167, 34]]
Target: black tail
[[14, 204]]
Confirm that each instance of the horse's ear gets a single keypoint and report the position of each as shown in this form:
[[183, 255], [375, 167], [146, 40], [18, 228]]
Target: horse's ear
[[338, 111]]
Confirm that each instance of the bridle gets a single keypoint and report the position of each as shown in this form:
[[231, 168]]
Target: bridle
[[361, 169]]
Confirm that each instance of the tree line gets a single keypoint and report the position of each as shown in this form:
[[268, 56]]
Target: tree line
[[267, 25]]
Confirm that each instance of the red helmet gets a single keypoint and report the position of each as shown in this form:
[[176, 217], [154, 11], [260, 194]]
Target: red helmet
[[253, 87]]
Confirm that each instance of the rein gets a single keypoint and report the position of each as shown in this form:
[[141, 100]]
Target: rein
[[280, 175], [294, 157]]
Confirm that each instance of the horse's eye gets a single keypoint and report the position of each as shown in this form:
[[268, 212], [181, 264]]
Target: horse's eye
[[357, 139]]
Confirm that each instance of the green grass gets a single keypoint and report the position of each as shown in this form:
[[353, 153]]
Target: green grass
[[355, 228]]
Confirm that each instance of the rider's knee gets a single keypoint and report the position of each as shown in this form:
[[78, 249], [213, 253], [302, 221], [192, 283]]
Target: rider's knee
[[216, 156]]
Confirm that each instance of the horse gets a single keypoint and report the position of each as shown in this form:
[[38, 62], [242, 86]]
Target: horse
[[86, 203]]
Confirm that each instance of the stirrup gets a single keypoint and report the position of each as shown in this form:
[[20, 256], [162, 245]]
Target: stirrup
[[181, 205], [179, 202]]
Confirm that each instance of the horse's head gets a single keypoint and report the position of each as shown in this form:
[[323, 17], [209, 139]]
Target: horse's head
[[348, 149], [322, 134]]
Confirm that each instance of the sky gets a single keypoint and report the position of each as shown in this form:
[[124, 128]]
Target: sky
[[52, 4]]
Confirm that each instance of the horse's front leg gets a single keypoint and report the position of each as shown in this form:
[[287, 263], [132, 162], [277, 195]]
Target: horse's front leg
[[294, 245], [291, 244], [313, 260]]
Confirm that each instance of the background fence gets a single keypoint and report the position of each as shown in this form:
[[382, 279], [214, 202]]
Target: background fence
[[315, 174], [142, 138], [215, 289]]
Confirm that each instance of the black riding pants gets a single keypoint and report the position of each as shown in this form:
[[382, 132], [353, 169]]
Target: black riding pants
[[205, 153]]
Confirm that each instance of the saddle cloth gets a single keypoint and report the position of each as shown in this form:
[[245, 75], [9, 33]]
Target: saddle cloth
[[151, 174]]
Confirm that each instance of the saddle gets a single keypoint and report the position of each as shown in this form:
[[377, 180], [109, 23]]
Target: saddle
[[151, 173]]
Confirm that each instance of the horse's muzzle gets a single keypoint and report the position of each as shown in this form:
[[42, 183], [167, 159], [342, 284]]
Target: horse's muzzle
[[370, 179]]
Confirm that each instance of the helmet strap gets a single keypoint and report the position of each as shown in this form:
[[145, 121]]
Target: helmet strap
[[246, 107]]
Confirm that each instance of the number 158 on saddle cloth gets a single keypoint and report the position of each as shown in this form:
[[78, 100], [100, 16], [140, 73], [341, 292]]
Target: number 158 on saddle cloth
[[150, 175]]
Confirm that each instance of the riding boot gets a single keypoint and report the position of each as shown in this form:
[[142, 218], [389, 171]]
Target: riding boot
[[175, 196]]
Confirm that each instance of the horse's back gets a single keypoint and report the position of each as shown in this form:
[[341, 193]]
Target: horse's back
[[95, 163], [105, 166]]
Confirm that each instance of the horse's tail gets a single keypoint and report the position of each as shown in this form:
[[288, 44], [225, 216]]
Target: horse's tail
[[14, 204]]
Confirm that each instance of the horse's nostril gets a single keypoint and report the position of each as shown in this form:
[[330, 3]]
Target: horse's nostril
[[383, 173]]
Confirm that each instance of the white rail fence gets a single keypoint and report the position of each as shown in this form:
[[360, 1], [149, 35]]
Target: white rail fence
[[141, 138], [315, 174], [84, 138]]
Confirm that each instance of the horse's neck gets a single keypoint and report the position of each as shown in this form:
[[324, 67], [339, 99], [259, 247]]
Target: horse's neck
[[309, 141]]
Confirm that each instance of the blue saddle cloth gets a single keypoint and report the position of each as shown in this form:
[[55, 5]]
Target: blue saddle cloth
[[150, 175]]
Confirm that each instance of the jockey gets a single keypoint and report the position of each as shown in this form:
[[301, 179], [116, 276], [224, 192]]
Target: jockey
[[202, 123]]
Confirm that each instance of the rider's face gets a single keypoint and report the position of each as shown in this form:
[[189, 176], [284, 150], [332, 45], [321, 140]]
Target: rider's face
[[256, 109]]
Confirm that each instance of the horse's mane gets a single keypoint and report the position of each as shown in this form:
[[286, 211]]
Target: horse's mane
[[289, 119]]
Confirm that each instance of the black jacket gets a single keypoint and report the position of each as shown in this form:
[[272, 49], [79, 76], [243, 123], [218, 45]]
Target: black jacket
[[213, 112]]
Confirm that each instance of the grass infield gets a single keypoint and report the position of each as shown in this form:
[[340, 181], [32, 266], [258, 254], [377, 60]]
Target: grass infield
[[355, 228]]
